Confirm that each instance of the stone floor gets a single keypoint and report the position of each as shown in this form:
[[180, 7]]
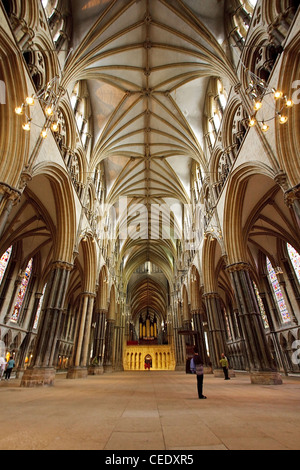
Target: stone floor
[[150, 411]]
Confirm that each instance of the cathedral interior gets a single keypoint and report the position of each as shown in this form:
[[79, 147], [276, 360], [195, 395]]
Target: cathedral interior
[[149, 187]]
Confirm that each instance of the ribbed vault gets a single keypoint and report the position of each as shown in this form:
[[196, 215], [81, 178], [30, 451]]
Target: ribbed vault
[[147, 65]]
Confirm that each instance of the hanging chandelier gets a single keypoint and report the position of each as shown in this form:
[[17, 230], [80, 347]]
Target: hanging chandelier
[[258, 92], [48, 98]]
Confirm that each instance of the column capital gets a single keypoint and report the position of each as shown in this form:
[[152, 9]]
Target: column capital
[[88, 294], [240, 266], [196, 311], [64, 265], [101, 311], [292, 195], [211, 295], [9, 192]]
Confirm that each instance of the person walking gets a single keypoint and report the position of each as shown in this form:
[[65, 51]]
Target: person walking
[[225, 366], [10, 365], [198, 369], [2, 366]]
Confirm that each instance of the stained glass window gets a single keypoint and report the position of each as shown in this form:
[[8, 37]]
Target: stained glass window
[[4, 263], [38, 313], [277, 292], [295, 260], [22, 292], [261, 306]]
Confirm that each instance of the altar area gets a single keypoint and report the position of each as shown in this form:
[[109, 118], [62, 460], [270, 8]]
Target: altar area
[[160, 357]]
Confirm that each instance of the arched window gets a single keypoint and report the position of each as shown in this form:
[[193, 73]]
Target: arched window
[[261, 306], [22, 292], [215, 104], [278, 293], [4, 263], [80, 102], [295, 260], [222, 96]]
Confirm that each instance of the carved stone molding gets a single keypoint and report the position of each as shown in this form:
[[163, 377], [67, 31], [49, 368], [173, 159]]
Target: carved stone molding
[[10, 193], [291, 196], [62, 265], [282, 180], [211, 295], [241, 266]]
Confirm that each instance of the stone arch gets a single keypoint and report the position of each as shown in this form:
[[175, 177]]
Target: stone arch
[[287, 136], [15, 147], [67, 133], [88, 247], [279, 14], [210, 254], [41, 60], [260, 57], [65, 210], [235, 244], [235, 125], [102, 296]]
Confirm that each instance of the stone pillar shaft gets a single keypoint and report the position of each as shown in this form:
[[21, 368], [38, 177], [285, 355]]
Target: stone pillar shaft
[[29, 335], [216, 329], [200, 338], [42, 371], [109, 343], [100, 335], [262, 367], [79, 362]]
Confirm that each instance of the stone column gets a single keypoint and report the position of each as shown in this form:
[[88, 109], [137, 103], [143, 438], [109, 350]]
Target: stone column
[[200, 338], [79, 362], [28, 338], [273, 334], [119, 347], [216, 331], [8, 198], [98, 347], [261, 364], [43, 369], [180, 348], [109, 345]]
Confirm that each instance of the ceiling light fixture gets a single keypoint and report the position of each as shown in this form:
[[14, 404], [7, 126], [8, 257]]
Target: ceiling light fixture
[[48, 98], [258, 91]]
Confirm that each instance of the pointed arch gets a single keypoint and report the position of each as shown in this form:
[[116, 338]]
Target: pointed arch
[[65, 209], [235, 243]]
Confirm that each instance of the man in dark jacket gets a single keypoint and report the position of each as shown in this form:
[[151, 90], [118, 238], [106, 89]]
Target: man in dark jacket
[[197, 367]]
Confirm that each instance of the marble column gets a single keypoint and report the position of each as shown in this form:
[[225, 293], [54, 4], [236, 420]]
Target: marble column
[[262, 366], [43, 369], [217, 341]]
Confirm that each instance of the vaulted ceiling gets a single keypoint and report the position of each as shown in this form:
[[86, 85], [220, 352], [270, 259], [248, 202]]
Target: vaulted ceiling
[[147, 64]]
